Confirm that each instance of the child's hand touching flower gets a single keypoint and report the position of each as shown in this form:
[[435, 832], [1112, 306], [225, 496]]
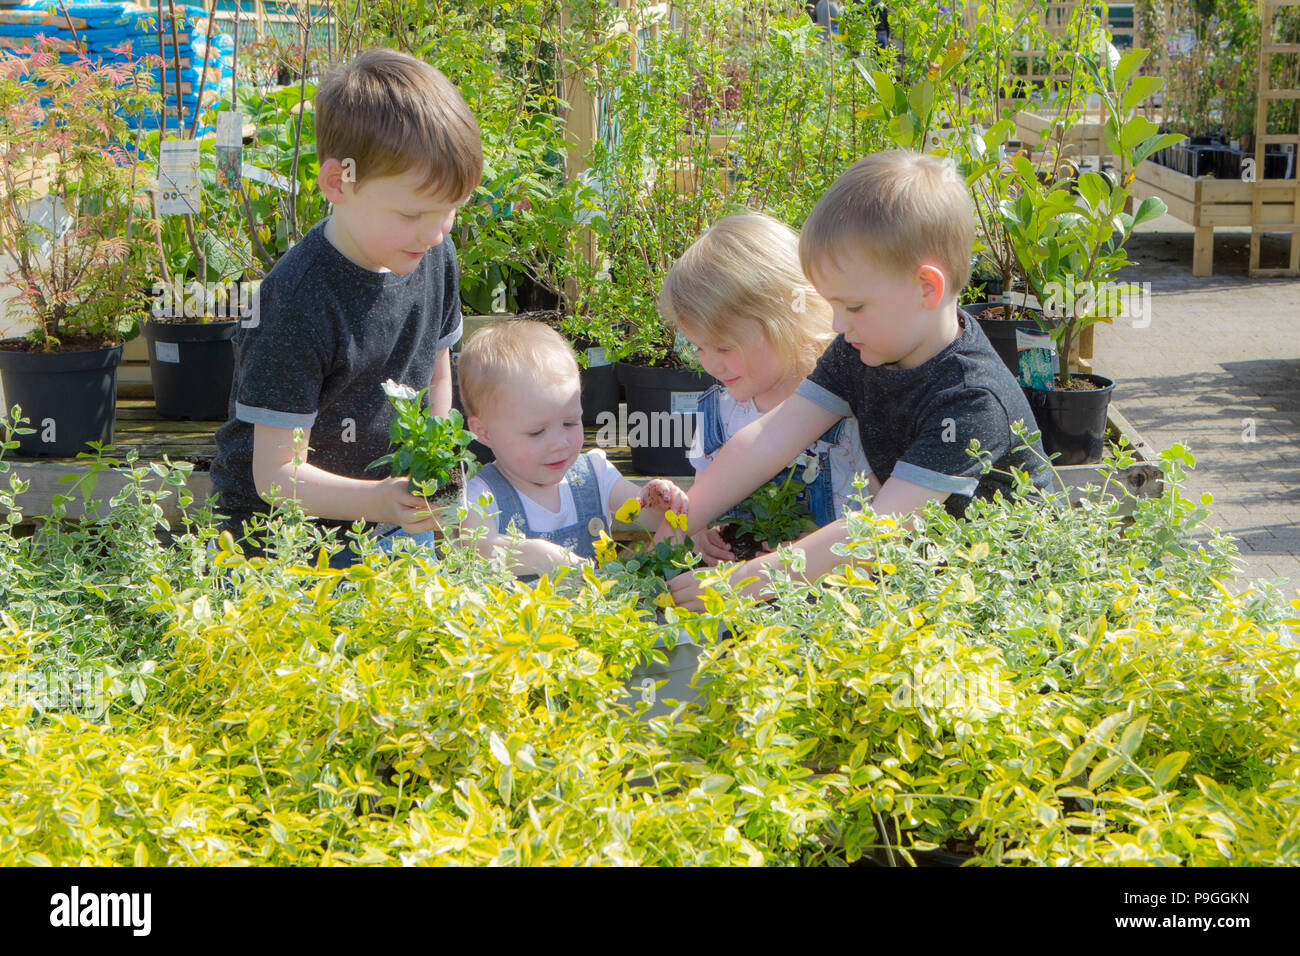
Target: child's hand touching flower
[[659, 494]]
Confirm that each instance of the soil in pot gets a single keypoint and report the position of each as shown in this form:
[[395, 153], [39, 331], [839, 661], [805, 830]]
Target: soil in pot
[[744, 546]]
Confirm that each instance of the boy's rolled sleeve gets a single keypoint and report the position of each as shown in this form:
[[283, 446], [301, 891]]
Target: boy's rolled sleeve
[[938, 458], [819, 395]]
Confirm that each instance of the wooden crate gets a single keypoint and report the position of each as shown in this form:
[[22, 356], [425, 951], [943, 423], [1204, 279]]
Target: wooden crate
[[1205, 203], [1084, 139]]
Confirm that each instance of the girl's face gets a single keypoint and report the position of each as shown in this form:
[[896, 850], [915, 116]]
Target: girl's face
[[749, 367]]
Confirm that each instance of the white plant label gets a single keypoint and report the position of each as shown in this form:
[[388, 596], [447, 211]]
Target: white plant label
[[178, 177], [596, 357], [685, 403], [167, 352]]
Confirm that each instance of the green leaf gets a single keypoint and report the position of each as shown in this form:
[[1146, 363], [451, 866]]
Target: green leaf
[[1104, 770], [1168, 768], [1131, 739], [1139, 92], [1077, 761], [1151, 208], [257, 729], [498, 748]]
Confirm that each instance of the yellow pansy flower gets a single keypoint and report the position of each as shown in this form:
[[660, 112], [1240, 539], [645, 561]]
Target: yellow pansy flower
[[665, 600], [606, 548], [627, 514], [676, 521]]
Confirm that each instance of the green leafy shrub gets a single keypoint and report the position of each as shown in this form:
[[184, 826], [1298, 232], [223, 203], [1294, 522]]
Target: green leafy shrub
[[433, 451]]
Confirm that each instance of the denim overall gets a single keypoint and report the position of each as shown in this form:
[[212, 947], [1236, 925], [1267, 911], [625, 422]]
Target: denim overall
[[577, 537], [817, 496]]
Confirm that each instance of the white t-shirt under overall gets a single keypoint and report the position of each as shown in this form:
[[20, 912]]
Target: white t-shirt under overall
[[540, 518]]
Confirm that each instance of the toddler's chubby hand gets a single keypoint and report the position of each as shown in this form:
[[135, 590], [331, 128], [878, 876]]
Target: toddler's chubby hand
[[659, 494]]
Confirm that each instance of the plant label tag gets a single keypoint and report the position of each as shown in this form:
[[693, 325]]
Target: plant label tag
[[596, 358], [167, 352], [1037, 360], [229, 148], [684, 403], [178, 177], [258, 174]]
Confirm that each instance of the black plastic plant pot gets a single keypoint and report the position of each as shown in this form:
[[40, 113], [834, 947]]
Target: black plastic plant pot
[[1001, 333], [192, 365], [600, 388], [1073, 423], [68, 398], [660, 421], [599, 393]]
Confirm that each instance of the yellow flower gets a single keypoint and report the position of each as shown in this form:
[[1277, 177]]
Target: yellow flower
[[627, 514], [606, 549], [677, 521], [665, 600]]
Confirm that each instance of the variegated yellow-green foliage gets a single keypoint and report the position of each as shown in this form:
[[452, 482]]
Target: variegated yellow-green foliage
[[1027, 686]]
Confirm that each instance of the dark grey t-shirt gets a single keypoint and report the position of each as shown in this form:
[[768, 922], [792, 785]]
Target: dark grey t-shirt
[[917, 423], [328, 334]]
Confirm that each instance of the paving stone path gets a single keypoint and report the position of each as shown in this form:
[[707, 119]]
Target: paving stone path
[[1218, 370]]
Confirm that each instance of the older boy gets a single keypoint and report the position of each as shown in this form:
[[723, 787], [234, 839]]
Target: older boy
[[889, 247], [369, 294]]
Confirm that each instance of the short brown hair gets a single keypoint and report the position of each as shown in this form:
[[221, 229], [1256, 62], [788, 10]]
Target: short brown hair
[[391, 113], [518, 348], [746, 267], [900, 209]]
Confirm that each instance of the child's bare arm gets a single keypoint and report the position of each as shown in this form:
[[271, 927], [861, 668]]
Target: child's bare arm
[[324, 494], [897, 498], [754, 455], [440, 385]]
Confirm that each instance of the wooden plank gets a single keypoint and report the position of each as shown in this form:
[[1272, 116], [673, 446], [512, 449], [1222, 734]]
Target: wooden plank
[[1169, 180], [1274, 213], [1203, 251], [1224, 191]]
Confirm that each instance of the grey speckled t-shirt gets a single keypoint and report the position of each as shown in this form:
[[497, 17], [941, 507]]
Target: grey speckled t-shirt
[[917, 423], [329, 333]]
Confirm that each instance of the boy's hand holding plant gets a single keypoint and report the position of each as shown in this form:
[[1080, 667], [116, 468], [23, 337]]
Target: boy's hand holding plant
[[431, 453]]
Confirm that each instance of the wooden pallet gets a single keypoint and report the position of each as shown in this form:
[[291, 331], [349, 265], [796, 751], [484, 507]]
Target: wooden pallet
[[1206, 202], [139, 428]]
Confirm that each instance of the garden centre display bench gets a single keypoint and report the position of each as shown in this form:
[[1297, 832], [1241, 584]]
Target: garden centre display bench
[[1205, 202], [139, 428]]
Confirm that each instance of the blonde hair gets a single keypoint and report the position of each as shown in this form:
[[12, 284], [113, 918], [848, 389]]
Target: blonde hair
[[389, 113], [899, 209], [498, 355], [747, 267]]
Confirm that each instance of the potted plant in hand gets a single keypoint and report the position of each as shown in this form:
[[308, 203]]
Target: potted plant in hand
[[1069, 240], [74, 258], [432, 452]]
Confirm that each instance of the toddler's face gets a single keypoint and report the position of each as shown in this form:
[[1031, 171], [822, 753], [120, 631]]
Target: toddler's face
[[535, 430], [879, 313], [749, 367], [387, 224]]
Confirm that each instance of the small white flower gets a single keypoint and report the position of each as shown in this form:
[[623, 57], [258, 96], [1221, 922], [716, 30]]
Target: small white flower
[[394, 390], [811, 467]]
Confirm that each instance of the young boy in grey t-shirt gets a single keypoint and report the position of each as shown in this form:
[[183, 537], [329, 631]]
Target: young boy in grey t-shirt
[[889, 247], [369, 294]]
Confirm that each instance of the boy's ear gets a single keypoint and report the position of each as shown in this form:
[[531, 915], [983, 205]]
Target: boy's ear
[[933, 283], [330, 179]]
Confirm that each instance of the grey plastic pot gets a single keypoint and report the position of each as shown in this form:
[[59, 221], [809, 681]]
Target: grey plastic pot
[[657, 683]]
